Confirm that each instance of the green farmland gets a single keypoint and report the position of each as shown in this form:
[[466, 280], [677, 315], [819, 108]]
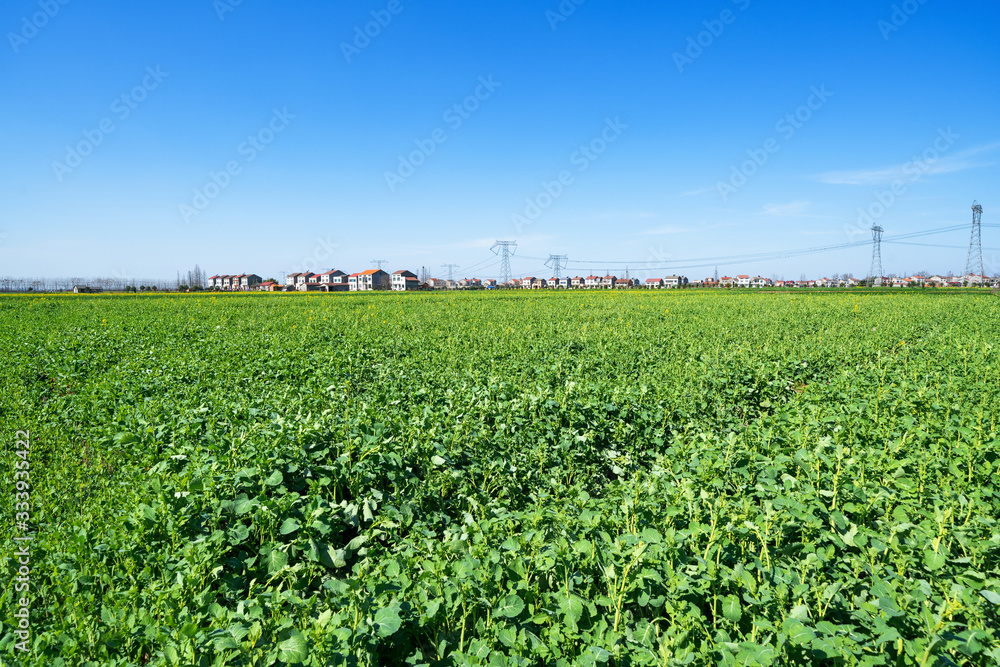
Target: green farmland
[[658, 478]]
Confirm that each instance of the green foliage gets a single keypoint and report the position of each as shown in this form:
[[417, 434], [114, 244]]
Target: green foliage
[[703, 478]]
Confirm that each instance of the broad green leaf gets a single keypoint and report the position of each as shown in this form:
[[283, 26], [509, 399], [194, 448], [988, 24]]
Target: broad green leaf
[[275, 479], [731, 608], [934, 560], [387, 621], [327, 555], [510, 607], [294, 649], [289, 526], [275, 561], [798, 634], [991, 596]]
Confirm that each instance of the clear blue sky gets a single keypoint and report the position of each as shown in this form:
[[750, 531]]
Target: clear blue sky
[[183, 86]]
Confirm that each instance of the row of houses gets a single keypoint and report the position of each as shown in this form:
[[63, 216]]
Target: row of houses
[[598, 282], [363, 281], [243, 282], [407, 281]]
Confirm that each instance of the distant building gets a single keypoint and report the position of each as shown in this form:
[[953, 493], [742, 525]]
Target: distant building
[[371, 280], [405, 281], [249, 281]]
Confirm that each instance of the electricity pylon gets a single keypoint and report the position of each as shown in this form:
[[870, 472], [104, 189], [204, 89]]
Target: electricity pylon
[[556, 262], [974, 264], [875, 274], [506, 250]]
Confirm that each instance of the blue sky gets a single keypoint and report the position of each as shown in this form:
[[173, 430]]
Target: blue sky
[[139, 139]]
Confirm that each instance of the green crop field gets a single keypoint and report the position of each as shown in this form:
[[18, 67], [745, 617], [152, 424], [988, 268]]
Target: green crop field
[[701, 478]]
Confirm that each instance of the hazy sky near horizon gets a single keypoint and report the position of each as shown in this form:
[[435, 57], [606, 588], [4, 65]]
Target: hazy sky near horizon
[[139, 139]]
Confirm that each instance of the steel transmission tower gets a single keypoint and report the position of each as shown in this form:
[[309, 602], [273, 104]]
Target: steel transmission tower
[[974, 264], [875, 275], [505, 249], [380, 262], [556, 262], [451, 270]]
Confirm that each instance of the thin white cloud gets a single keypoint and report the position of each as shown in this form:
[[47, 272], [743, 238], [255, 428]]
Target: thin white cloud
[[668, 229], [695, 193], [626, 215], [912, 170], [784, 210], [474, 243]]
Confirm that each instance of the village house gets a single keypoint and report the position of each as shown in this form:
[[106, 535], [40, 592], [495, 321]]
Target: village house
[[332, 277], [249, 281], [470, 283], [760, 281], [623, 283], [742, 281], [578, 282], [654, 283], [405, 281], [592, 282], [490, 283], [368, 281], [609, 282], [727, 281], [675, 282]]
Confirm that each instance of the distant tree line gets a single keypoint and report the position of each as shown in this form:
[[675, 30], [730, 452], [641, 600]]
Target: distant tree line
[[194, 279]]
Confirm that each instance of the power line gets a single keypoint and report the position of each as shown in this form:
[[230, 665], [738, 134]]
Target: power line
[[701, 262]]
